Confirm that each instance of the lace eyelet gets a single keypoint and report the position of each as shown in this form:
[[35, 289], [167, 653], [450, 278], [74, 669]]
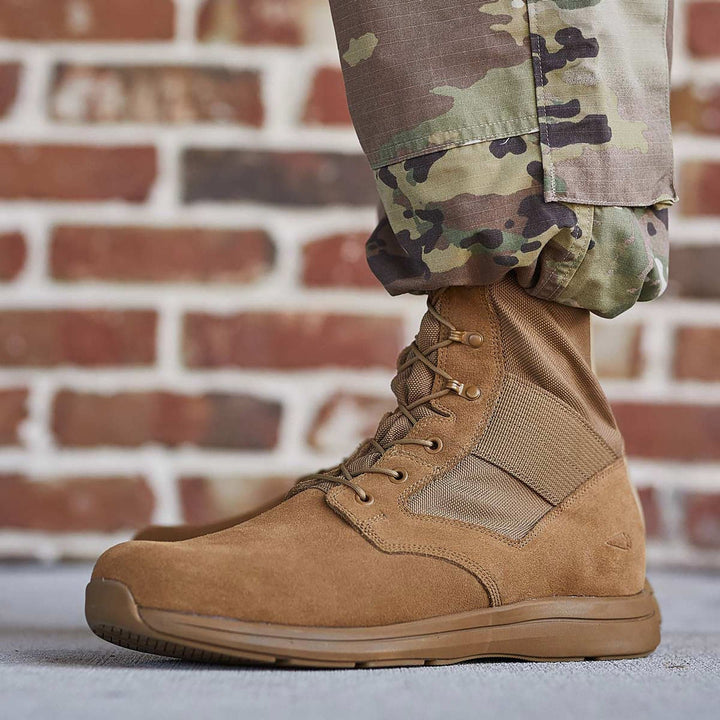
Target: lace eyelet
[[400, 477], [472, 392], [437, 445], [369, 499]]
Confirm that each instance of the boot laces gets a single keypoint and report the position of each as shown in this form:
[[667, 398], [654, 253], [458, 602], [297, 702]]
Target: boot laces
[[341, 473]]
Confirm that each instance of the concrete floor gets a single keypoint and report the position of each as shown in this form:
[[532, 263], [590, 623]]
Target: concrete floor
[[51, 666]]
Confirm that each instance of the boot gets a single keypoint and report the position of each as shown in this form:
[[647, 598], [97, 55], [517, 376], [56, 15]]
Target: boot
[[491, 515], [174, 533]]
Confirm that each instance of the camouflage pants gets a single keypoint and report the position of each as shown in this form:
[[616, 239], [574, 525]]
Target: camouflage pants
[[530, 136]]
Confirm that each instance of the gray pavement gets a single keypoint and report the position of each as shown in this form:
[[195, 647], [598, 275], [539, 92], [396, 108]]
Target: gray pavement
[[51, 666]]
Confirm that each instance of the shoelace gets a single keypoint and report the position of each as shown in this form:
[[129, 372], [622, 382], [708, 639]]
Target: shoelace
[[342, 475]]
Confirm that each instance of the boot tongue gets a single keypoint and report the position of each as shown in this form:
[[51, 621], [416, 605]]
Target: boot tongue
[[409, 385]]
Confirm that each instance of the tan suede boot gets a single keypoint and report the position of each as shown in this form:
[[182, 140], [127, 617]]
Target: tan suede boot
[[174, 533], [491, 515]]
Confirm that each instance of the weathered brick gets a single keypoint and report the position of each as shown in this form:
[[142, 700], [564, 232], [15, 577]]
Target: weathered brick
[[13, 411], [697, 353], [700, 182], [155, 94], [44, 338], [694, 271], [702, 519], [290, 341], [99, 504], [144, 254], [346, 419], [337, 261], [277, 178], [617, 350], [670, 431], [696, 109], [132, 419], [12, 255], [106, 20], [258, 22], [703, 29], [67, 172], [326, 103], [9, 80], [654, 527], [205, 499]]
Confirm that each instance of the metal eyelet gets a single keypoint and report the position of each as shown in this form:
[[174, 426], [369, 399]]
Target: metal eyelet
[[472, 392], [436, 447], [369, 499], [472, 339], [400, 477]]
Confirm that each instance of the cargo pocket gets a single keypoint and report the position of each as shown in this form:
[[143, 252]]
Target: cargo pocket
[[602, 79]]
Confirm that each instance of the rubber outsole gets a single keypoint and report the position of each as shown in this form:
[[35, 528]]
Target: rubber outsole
[[550, 629]]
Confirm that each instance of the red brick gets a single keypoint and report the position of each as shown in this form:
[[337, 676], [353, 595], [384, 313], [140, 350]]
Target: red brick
[[150, 254], [79, 504], [207, 499], [651, 510], [290, 341], [702, 519], [277, 178], [695, 271], [9, 80], [326, 103], [617, 350], [12, 255], [346, 419], [89, 20], [696, 109], [255, 22], [132, 419], [670, 431], [697, 353], [13, 411], [67, 172], [338, 261], [44, 338], [160, 94], [703, 29], [701, 188]]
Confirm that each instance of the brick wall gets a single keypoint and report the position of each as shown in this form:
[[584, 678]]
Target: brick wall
[[186, 318]]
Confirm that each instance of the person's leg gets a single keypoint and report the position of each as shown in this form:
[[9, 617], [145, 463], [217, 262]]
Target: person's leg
[[491, 513], [531, 137]]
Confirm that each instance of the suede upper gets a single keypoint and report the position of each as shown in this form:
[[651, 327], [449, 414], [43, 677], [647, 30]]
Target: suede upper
[[348, 550]]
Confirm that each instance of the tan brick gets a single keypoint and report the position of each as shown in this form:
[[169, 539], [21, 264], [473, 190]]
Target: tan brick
[[697, 353], [346, 419], [155, 94], [206, 499]]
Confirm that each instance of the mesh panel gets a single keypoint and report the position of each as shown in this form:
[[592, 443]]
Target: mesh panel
[[477, 492], [548, 344], [542, 442]]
